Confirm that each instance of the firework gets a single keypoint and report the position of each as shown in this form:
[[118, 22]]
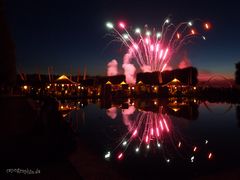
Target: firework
[[153, 49]]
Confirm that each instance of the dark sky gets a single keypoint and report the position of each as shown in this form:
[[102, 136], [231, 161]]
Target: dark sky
[[65, 33]]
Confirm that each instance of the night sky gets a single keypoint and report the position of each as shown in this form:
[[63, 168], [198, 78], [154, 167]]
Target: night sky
[[72, 33]]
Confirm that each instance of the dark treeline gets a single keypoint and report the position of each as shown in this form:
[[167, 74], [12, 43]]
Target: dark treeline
[[211, 94], [237, 74], [187, 76]]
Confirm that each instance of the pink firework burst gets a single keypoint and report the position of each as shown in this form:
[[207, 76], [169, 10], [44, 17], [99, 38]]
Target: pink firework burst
[[153, 48]]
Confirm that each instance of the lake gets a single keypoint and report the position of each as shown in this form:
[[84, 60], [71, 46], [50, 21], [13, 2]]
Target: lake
[[154, 138]]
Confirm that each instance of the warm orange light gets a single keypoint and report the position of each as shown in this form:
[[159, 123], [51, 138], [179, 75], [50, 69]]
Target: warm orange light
[[207, 26], [178, 35], [175, 109], [193, 32], [25, 87]]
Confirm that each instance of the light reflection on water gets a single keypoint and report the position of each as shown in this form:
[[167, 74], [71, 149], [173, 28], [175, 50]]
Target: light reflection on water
[[148, 132], [169, 131]]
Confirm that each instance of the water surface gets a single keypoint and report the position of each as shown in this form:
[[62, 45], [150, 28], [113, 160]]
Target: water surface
[[161, 138]]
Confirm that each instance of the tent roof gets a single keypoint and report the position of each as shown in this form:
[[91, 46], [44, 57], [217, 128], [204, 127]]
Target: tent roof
[[175, 82], [109, 82], [64, 80], [123, 82]]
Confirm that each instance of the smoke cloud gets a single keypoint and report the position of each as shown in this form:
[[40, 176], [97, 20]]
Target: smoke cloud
[[129, 69], [112, 112], [146, 68], [168, 68], [130, 73], [112, 68], [126, 114], [129, 111], [127, 58], [185, 62]]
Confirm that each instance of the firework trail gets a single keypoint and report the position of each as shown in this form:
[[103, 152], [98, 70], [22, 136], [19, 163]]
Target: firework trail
[[153, 49]]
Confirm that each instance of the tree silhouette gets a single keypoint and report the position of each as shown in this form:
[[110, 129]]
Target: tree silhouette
[[237, 74]]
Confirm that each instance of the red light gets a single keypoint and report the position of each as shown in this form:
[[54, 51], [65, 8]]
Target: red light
[[135, 132], [135, 46], [147, 139], [120, 156], [166, 125], [210, 155], [152, 131], [161, 125], [157, 132], [152, 47], [194, 149], [146, 40], [179, 144], [121, 25], [161, 53]]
